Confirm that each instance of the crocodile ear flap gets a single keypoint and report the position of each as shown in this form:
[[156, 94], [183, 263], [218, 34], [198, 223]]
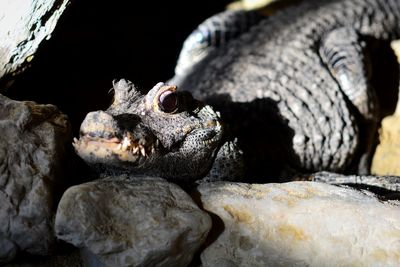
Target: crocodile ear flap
[[344, 53]]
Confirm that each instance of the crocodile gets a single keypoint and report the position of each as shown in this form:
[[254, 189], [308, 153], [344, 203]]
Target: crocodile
[[289, 94], [165, 133]]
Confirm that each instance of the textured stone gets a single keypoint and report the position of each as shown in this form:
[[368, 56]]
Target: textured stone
[[32, 140], [24, 24], [299, 224], [387, 154], [386, 158], [267, 7], [132, 222]]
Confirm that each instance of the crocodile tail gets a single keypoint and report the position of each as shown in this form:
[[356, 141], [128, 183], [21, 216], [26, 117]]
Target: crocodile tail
[[213, 33]]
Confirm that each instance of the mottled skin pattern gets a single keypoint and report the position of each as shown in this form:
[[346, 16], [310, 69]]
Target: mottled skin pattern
[[295, 89], [215, 32], [134, 135], [293, 96]]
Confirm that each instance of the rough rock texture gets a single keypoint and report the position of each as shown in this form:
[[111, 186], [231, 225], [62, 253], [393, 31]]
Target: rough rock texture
[[24, 24], [266, 7], [249, 4], [299, 224], [126, 222], [32, 139], [387, 154]]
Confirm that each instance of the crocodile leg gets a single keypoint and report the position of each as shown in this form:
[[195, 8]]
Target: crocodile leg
[[228, 164], [345, 54], [213, 33]]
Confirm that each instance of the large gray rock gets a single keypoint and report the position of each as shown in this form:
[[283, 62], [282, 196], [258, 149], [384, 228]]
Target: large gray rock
[[126, 222], [32, 140], [24, 24], [300, 224]]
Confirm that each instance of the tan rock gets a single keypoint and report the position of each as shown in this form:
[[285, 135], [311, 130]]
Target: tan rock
[[132, 222], [299, 224], [386, 160], [251, 4], [32, 140], [396, 48]]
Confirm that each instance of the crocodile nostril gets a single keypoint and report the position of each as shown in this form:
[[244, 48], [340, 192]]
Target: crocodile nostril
[[98, 122]]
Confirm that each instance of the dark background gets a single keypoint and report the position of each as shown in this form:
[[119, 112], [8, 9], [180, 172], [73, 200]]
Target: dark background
[[98, 41]]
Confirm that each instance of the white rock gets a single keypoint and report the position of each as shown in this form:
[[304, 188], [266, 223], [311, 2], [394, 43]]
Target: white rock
[[300, 224], [126, 222], [32, 142], [24, 24]]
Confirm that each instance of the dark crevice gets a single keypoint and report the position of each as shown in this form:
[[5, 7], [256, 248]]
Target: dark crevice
[[96, 41]]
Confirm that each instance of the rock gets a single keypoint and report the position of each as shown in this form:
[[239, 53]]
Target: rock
[[265, 7], [387, 154], [385, 160], [132, 222], [24, 24], [299, 224], [251, 4], [32, 140]]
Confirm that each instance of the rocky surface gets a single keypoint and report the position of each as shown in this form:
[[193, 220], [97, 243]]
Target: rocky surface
[[299, 224], [32, 140], [386, 158], [132, 222], [24, 24], [387, 154], [266, 7]]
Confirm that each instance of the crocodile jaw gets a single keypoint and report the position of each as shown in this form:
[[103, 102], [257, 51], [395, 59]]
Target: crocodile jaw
[[102, 140], [103, 150]]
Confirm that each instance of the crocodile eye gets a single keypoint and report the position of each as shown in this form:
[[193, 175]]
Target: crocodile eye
[[168, 101]]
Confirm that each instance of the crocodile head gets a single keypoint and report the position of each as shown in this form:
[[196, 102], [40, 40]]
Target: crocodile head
[[165, 133]]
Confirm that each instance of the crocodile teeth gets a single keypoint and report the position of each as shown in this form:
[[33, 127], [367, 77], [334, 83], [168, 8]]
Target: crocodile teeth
[[142, 151], [126, 143], [135, 150], [128, 148]]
